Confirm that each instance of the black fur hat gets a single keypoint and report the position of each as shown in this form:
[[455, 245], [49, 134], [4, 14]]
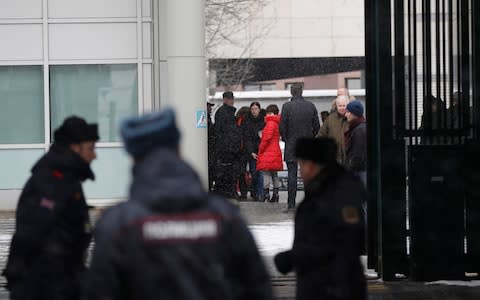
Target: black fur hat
[[320, 150], [75, 130]]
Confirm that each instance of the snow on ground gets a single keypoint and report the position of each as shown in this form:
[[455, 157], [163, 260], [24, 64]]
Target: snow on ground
[[273, 237]]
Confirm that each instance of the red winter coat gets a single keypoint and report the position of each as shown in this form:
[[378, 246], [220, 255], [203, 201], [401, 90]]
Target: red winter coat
[[269, 153]]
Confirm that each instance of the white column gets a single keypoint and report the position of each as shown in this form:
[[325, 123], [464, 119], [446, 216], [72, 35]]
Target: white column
[[184, 40]]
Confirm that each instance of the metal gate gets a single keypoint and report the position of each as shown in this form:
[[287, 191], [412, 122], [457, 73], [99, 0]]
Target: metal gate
[[423, 102]]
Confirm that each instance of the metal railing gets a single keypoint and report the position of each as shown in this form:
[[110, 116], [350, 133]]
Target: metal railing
[[433, 99]]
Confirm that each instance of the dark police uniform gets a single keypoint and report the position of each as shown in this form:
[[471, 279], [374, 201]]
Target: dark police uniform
[[329, 237], [46, 259], [171, 240], [227, 150]]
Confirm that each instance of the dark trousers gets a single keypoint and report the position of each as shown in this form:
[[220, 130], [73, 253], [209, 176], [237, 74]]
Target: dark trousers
[[211, 175], [225, 175], [241, 169], [257, 179], [292, 167], [51, 277]]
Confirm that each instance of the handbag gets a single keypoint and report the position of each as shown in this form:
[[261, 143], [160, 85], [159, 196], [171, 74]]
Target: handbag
[[248, 178]]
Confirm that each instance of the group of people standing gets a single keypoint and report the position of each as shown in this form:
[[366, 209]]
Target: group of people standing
[[244, 147], [174, 239], [346, 124], [245, 151]]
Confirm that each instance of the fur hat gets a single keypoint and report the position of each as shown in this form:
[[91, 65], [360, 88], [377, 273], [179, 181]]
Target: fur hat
[[356, 108], [320, 150], [75, 130], [144, 133]]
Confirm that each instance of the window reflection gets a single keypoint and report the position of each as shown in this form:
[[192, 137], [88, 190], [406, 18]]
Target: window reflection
[[100, 93], [21, 98]]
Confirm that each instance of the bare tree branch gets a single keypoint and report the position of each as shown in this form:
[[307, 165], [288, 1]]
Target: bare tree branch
[[225, 19]]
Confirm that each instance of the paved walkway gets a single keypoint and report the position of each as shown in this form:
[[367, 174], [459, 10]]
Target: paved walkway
[[273, 231]]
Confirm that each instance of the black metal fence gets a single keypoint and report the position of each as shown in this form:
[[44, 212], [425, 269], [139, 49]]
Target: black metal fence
[[433, 71], [423, 102]]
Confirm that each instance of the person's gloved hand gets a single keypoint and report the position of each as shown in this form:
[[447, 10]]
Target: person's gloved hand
[[284, 262], [338, 293]]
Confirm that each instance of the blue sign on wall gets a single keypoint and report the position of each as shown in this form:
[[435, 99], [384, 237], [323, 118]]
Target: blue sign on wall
[[201, 118]]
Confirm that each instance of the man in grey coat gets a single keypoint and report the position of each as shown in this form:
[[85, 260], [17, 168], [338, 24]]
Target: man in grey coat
[[299, 119]]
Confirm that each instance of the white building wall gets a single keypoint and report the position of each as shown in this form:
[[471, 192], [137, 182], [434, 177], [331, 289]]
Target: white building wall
[[102, 60], [43, 34], [301, 28], [183, 63]]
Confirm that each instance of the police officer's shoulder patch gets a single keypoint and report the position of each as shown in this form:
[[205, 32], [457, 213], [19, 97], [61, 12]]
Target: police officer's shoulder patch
[[350, 215], [47, 203]]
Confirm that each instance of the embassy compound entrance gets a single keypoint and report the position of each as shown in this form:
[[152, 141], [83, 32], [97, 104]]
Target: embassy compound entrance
[[423, 92]]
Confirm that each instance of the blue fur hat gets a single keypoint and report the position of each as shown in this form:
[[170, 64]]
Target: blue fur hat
[[356, 108], [144, 133]]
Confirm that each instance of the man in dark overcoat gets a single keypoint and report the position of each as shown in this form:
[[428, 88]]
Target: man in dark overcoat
[[329, 228], [299, 119], [227, 147], [356, 141], [52, 232]]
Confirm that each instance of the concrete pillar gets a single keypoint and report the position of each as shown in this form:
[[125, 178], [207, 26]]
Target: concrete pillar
[[184, 44]]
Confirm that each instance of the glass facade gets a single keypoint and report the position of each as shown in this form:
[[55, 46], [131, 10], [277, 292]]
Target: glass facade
[[104, 94], [66, 57], [22, 105], [16, 165], [112, 174]]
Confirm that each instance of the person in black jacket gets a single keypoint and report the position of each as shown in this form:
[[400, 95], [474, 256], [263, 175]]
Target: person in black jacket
[[52, 234], [251, 132], [329, 228], [433, 119], [356, 141], [299, 119], [240, 164], [211, 147], [171, 240], [227, 147]]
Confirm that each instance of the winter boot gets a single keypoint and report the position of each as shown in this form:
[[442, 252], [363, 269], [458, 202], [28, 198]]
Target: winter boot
[[253, 195], [275, 196], [266, 195]]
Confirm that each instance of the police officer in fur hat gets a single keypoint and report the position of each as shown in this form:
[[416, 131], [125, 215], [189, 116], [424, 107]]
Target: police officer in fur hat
[[329, 227], [52, 233], [171, 239]]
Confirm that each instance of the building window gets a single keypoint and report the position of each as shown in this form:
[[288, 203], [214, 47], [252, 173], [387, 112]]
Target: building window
[[22, 105], [16, 165], [268, 87], [353, 83], [288, 85], [105, 94], [260, 87], [251, 87]]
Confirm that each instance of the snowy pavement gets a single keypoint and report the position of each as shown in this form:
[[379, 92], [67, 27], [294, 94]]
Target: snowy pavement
[[273, 232]]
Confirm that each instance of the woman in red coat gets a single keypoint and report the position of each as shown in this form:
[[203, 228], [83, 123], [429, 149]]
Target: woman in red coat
[[269, 159]]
